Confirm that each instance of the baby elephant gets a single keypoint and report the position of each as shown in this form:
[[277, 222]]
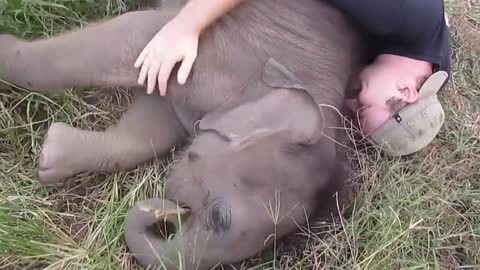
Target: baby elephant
[[251, 175], [262, 156]]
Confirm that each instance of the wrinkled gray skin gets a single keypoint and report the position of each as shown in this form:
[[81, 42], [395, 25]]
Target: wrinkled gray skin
[[262, 155]]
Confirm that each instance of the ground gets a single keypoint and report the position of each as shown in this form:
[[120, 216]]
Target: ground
[[416, 212]]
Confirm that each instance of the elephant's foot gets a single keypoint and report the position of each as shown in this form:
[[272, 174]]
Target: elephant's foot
[[57, 160], [148, 129], [102, 54], [7, 45]]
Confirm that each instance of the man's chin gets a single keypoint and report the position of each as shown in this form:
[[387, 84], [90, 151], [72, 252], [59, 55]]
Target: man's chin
[[352, 105], [351, 109]]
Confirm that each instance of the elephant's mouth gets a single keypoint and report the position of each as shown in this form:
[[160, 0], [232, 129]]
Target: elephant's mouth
[[163, 229], [153, 233]]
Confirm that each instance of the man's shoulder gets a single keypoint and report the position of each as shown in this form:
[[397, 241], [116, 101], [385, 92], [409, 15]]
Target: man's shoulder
[[421, 19], [424, 34], [401, 21], [411, 28]]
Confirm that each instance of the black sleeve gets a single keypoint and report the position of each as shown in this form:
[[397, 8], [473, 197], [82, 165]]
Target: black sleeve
[[411, 28]]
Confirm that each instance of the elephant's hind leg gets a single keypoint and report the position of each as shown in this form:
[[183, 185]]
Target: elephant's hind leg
[[148, 129], [99, 55]]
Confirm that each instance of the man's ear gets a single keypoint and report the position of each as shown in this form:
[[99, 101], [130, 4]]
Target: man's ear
[[288, 108], [409, 92]]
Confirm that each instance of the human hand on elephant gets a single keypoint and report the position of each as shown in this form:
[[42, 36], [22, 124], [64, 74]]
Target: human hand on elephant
[[173, 43], [178, 41]]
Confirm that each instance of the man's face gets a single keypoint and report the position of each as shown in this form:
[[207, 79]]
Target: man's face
[[380, 87]]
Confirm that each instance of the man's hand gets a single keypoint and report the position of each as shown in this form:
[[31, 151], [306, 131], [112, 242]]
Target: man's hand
[[173, 43], [178, 41]]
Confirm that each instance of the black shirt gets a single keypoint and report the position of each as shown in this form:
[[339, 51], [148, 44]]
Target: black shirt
[[411, 28]]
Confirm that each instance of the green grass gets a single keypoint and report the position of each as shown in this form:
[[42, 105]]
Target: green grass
[[418, 212]]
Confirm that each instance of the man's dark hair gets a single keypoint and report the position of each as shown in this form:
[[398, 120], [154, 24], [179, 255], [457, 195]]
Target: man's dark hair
[[395, 105]]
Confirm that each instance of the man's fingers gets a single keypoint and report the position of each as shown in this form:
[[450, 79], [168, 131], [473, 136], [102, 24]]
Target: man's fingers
[[152, 76], [185, 69], [164, 74], [143, 72], [142, 56]]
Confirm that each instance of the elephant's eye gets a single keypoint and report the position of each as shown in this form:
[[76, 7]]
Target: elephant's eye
[[218, 218]]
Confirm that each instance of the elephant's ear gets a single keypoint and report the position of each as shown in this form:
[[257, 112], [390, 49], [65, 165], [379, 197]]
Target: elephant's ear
[[276, 75], [286, 109]]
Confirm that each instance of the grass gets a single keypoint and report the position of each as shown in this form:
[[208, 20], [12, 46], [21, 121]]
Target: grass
[[417, 212]]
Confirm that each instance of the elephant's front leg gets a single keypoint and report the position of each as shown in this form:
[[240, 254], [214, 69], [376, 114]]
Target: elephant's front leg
[[100, 55], [149, 129]]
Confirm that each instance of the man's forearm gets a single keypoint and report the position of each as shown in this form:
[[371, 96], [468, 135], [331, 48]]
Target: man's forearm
[[199, 14]]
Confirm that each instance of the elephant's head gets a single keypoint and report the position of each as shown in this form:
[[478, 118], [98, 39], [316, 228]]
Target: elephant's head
[[252, 174]]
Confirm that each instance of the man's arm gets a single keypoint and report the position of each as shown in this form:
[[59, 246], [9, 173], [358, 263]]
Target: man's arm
[[199, 14], [178, 41]]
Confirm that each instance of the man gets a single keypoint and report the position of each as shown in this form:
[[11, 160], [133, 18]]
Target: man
[[410, 42], [397, 101]]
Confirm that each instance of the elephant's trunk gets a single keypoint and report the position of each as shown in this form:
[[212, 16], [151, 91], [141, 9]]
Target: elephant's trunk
[[153, 234]]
